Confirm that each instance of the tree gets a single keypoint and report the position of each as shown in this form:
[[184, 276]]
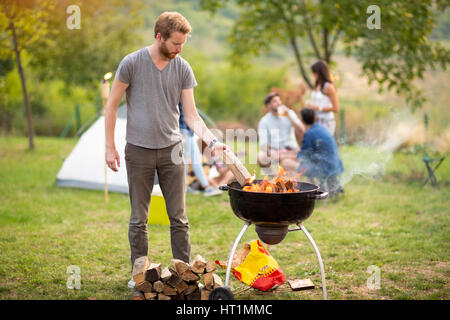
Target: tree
[[392, 56], [81, 56], [22, 24], [5, 66]]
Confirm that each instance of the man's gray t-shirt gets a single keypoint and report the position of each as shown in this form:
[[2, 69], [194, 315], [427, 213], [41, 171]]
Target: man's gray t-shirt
[[152, 98]]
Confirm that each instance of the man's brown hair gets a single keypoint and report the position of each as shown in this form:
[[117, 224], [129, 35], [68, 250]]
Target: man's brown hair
[[169, 22]]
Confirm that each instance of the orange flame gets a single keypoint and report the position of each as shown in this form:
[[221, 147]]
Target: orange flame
[[280, 183]]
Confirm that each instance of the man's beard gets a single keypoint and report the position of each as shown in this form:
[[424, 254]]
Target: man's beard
[[165, 52]]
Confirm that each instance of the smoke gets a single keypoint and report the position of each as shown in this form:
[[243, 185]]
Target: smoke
[[370, 157], [366, 161]]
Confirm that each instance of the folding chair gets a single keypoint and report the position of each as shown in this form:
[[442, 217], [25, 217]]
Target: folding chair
[[432, 165]]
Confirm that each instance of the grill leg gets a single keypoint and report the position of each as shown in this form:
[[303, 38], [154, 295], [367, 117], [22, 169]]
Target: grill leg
[[322, 271], [233, 250]]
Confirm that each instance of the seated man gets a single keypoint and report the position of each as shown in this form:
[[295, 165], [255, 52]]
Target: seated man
[[319, 155], [277, 144]]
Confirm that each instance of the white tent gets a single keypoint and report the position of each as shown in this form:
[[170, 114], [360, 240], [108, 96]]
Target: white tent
[[84, 167]]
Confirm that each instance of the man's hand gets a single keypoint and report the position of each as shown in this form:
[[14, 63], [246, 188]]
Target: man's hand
[[218, 149], [111, 157], [283, 110]]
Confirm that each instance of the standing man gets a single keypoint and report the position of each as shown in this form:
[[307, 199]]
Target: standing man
[[277, 142], [155, 78]]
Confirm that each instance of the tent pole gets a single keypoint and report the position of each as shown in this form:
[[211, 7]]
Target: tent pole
[[104, 86]]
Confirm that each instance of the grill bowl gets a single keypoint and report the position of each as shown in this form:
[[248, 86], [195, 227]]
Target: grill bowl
[[274, 208]]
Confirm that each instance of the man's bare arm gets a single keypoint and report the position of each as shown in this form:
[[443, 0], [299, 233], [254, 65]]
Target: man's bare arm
[[192, 118], [117, 90], [196, 123]]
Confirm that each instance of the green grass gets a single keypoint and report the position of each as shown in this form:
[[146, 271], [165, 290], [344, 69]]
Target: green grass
[[388, 221]]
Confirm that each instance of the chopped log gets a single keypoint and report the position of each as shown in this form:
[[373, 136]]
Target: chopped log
[[165, 274], [208, 280], [153, 272], [174, 278], [210, 266], [191, 288], [181, 287], [199, 264], [158, 286], [217, 281], [194, 295], [178, 296], [169, 291], [162, 296], [188, 275], [180, 266], [204, 294], [139, 269], [301, 284], [144, 286], [150, 295], [235, 165], [137, 295]]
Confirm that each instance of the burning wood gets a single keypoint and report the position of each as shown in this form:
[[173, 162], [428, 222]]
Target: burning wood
[[281, 183]]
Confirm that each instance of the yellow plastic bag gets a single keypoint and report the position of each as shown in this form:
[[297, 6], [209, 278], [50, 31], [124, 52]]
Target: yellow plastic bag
[[255, 267]]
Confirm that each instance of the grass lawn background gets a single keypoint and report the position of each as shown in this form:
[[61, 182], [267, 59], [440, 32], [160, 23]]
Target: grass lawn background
[[388, 221]]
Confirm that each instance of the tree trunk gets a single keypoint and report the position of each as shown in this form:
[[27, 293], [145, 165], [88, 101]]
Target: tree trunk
[[299, 61], [293, 42], [326, 45], [4, 121], [26, 99]]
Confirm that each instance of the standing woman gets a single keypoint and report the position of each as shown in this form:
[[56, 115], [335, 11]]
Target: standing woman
[[324, 96]]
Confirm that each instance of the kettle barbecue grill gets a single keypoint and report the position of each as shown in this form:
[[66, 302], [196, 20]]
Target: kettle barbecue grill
[[272, 214]]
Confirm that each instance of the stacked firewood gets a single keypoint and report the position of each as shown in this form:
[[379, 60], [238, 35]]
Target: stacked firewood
[[181, 282]]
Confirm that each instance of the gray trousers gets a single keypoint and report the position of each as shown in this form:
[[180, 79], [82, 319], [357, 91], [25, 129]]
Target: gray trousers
[[141, 164]]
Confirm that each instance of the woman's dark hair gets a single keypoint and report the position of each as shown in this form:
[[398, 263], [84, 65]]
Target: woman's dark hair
[[321, 68], [308, 116]]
